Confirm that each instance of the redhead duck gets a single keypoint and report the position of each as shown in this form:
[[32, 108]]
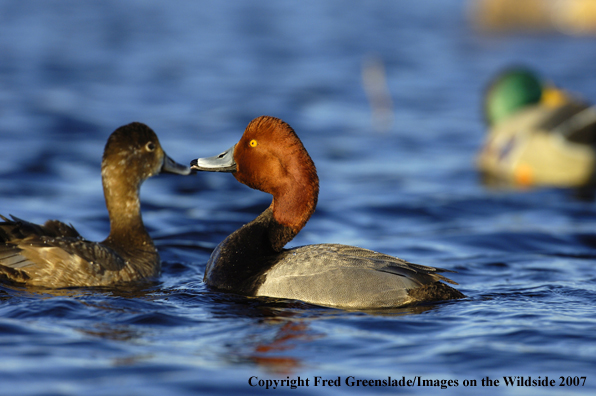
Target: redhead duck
[[55, 255], [252, 261]]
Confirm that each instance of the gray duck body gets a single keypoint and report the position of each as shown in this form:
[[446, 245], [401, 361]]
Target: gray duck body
[[332, 275]]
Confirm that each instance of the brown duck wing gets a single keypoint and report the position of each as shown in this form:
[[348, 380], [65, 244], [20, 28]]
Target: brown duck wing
[[61, 229], [54, 255], [19, 229]]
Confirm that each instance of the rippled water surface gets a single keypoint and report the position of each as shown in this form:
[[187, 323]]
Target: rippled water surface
[[197, 72]]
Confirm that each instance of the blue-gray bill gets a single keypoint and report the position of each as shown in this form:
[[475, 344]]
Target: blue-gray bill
[[223, 162]]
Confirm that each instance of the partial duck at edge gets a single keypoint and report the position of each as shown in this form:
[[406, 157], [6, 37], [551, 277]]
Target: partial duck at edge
[[538, 134]]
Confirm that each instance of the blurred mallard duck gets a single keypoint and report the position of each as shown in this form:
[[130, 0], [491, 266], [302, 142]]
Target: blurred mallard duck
[[538, 134]]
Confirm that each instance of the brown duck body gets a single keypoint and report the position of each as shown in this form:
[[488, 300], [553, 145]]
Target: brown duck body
[[55, 255], [252, 261]]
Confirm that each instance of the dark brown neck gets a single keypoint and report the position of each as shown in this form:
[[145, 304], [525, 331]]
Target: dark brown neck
[[294, 201], [127, 231], [239, 261]]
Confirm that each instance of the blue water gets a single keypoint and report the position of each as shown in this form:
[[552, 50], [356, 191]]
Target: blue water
[[197, 72]]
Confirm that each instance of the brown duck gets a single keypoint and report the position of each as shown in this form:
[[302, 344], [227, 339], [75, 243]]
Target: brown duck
[[55, 255]]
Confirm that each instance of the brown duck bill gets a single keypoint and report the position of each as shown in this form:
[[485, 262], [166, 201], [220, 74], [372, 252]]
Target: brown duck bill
[[223, 162], [171, 166]]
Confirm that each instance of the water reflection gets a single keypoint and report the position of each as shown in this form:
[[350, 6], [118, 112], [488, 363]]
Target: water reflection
[[108, 331], [270, 355], [374, 81], [139, 290], [281, 352]]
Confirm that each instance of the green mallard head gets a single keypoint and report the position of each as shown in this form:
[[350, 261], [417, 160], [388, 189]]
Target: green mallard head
[[510, 91]]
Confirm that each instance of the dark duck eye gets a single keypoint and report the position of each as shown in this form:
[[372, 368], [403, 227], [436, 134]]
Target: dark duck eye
[[150, 146]]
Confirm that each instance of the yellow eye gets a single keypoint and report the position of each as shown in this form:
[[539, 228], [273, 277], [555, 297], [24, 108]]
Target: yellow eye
[[253, 143]]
